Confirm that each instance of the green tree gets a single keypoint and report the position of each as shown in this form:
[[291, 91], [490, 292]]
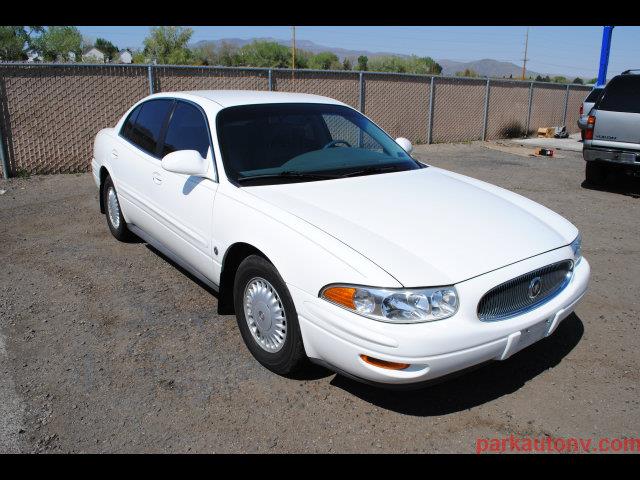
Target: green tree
[[594, 80], [387, 64], [302, 58], [346, 64], [14, 42], [139, 57], [560, 79], [227, 55], [168, 45], [105, 46], [412, 64], [324, 61], [423, 65], [467, 73], [59, 43], [264, 54], [578, 81], [363, 63]]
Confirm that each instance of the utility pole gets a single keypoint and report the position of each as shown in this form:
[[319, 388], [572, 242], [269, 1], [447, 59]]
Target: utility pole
[[293, 53], [526, 46]]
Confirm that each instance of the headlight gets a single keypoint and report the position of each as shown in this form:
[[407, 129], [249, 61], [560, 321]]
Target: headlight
[[576, 246], [395, 306]]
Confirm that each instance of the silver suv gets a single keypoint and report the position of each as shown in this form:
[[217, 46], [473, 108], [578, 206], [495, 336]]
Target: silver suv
[[612, 136], [586, 106]]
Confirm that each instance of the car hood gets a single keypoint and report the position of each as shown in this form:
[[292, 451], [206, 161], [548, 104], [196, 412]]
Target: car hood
[[425, 227]]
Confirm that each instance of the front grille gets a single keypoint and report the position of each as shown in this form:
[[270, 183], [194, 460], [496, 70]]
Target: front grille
[[515, 296]]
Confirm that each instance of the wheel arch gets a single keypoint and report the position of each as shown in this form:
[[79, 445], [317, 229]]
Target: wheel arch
[[103, 174], [232, 259]]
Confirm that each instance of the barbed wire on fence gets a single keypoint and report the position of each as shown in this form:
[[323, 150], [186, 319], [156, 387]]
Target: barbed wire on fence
[[51, 112]]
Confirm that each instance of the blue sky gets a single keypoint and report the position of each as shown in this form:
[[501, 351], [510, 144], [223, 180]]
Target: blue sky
[[573, 51]]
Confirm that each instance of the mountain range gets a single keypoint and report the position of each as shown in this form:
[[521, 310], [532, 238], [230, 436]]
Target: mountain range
[[486, 67]]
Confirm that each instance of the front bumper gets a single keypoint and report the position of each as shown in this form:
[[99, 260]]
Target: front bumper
[[624, 157], [336, 337]]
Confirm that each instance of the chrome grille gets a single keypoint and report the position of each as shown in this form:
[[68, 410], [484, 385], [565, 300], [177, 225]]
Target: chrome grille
[[515, 296]]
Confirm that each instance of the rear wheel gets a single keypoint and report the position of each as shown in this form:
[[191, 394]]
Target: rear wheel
[[267, 317], [595, 173], [115, 219]]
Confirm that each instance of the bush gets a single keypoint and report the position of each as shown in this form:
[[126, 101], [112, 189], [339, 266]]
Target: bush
[[412, 64]]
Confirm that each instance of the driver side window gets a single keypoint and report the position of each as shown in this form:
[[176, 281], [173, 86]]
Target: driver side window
[[187, 130]]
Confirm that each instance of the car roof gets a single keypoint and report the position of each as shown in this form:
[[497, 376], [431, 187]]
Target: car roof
[[230, 98]]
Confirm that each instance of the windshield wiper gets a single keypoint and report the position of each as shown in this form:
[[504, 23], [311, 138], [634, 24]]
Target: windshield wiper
[[288, 174], [372, 170]]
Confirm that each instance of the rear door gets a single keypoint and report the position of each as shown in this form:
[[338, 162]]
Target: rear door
[[617, 114], [137, 166]]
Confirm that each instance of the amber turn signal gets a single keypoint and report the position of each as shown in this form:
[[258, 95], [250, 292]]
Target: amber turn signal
[[591, 123], [376, 362], [341, 295]]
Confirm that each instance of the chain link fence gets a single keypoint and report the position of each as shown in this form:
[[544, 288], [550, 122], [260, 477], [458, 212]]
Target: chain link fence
[[50, 113], [508, 109]]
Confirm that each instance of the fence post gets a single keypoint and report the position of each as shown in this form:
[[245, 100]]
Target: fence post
[[566, 105], [362, 98], [270, 80], [3, 157], [150, 78], [526, 133], [432, 96], [486, 111]]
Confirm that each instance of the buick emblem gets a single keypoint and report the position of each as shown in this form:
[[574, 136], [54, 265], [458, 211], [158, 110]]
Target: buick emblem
[[535, 287]]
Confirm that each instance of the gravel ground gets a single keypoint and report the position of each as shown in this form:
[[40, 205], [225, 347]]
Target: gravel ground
[[108, 347]]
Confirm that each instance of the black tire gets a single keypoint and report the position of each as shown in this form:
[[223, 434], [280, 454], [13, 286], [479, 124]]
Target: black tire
[[291, 356], [121, 232], [595, 173]]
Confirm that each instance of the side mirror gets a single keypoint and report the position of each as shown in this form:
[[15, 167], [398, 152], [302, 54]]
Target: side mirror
[[187, 162], [405, 144]]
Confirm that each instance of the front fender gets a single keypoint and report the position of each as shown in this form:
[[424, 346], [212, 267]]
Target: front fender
[[306, 257]]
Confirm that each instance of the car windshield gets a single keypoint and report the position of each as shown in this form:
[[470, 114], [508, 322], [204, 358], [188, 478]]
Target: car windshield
[[296, 142]]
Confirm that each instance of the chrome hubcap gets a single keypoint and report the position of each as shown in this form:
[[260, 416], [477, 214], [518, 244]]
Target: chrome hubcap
[[113, 208], [265, 315]]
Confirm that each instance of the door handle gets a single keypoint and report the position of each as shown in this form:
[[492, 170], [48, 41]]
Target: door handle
[[157, 179], [114, 153]]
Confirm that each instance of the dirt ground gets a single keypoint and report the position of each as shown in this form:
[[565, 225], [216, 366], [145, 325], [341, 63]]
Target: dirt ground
[[108, 347]]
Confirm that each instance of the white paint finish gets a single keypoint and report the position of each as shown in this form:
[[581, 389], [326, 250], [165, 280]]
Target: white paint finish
[[230, 98], [186, 162], [425, 227], [416, 228]]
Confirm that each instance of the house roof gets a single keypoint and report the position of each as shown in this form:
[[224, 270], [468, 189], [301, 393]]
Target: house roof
[[88, 49]]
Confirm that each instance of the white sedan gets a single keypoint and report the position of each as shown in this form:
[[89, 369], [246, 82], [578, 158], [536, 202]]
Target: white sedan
[[329, 241]]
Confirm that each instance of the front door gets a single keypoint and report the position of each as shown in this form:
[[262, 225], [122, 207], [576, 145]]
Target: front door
[[186, 202]]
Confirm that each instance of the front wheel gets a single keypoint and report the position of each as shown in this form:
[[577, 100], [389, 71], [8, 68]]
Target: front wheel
[[267, 317]]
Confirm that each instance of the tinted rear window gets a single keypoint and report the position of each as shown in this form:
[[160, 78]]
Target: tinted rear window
[[148, 126], [622, 94], [127, 128], [594, 95]]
